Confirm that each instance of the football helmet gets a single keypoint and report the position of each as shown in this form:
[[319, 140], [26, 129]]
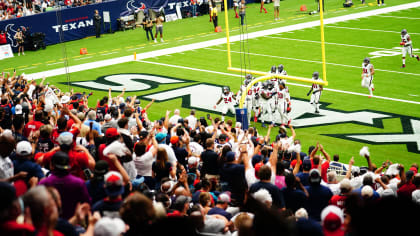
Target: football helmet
[[265, 85], [248, 76], [247, 81], [366, 60], [273, 69], [280, 68], [270, 85], [315, 75], [226, 90], [403, 32], [281, 83]]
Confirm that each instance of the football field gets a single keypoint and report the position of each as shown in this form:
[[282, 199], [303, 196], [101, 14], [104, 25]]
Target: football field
[[189, 72]]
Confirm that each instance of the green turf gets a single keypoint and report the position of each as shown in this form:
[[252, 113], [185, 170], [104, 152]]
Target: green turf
[[299, 57]]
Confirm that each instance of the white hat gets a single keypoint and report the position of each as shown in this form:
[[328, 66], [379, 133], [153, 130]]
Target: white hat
[[65, 99], [107, 117], [367, 191], [192, 161], [301, 213], [18, 109], [109, 227], [332, 218], [23, 148], [416, 196]]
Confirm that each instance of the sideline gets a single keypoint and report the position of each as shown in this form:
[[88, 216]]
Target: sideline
[[294, 84], [209, 43]]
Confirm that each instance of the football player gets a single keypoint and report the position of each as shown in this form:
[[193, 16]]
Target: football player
[[407, 47], [265, 96], [272, 89], [283, 101], [256, 100], [367, 75], [228, 103], [249, 95], [316, 92]]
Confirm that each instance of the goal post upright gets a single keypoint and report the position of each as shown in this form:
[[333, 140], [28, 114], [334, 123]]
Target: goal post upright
[[227, 34], [321, 19]]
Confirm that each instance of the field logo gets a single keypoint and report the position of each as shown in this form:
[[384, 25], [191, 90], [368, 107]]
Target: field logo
[[131, 82], [203, 96], [389, 52]]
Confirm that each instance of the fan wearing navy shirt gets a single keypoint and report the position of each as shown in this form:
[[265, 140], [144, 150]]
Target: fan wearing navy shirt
[[265, 182]]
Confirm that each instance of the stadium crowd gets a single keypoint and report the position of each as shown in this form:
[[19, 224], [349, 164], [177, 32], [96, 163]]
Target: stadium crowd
[[67, 169], [11, 9]]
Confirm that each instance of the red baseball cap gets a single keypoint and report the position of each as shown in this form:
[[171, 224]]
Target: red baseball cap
[[174, 139], [111, 132]]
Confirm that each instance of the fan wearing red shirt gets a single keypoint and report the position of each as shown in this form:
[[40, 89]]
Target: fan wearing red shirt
[[80, 158], [406, 186], [34, 124], [316, 159], [110, 136]]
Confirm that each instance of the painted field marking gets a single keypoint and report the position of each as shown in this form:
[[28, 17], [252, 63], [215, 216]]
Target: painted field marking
[[401, 17], [54, 63], [300, 85], [83, 58], [108, 53], [312, 61], [339, 44], [132, 49], [28, 68], [384, 31], [209, 43]]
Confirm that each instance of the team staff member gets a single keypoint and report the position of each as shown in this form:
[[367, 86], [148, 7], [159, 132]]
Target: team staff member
[[97, 22], [159, 27], [148, 26], [213, 14]]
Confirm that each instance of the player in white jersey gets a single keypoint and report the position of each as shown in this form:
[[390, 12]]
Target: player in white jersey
[[272, 89], [367, 75], [249, 95], [283, 101], [265, 96], [228, 102], [316, 92], [407, 47], [256, 100]]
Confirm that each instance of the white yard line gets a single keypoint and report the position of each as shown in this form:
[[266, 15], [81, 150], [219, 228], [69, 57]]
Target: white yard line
[[132, 49], [108, 53], [319, 62], [209, 43], [53, 64], [375, 30], [83, 58], [288, 83], [401, 17], [339, 44]]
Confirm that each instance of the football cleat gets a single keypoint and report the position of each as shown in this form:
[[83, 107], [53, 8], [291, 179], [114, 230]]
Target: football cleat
[[263, 125], [418, 58], [403, 66]]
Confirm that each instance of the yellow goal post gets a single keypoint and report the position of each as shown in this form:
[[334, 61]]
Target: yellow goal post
[[267, 76]]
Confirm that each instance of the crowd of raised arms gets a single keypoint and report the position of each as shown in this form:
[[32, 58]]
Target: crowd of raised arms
[[70, 169]]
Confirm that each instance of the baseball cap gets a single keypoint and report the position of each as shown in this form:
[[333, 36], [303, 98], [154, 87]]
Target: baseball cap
[[18, 109], [111, 132], [109, 227], [60, 160], [307, 164], [101, 167], [414, 169], [230, 156], [174, 139], [257, 168], [24, 148], [192, 161], [114, 185], [64, 99], [314, 176], [160, 137], [107, 117], [367, 191], [416, 196], [223, 198], [332, 219], [65, 138]]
